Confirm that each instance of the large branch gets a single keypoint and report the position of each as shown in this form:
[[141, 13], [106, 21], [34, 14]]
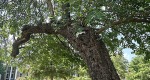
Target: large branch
[[125, 21], [41, 28], [27, 30]]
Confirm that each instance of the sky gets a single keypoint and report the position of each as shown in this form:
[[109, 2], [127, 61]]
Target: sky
[[127, 51], [127, 54]]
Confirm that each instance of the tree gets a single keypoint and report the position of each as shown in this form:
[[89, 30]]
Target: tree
[[121, 65], [86, 25], [138, 69], [51, 61], [2, 70]]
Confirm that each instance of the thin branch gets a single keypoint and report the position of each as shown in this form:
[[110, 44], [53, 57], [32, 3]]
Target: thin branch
[[61, 41], [50, 6], [137, 20], [131, 20]]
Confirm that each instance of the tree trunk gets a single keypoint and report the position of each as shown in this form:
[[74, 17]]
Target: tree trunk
[[51, 77], [94, 53], [89, 44]]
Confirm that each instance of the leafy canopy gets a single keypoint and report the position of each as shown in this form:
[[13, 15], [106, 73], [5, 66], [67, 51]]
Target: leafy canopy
[[127, 19], [121, 65], [138, 69], [2, 69], [121, 23]]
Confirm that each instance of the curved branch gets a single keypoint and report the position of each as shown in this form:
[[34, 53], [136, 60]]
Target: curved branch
[[132, 20], [27, 30]]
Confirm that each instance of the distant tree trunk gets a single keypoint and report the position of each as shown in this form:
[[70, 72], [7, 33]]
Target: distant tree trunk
[[94, 52], [51, 77]]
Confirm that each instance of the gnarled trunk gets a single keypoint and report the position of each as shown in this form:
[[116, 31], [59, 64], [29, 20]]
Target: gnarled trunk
[[94, 52], [89, 44]]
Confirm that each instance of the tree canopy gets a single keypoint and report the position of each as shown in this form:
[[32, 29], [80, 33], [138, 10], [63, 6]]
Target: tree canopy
[[119, 23], [2, 69], [138, 69], [128, 19], [121, 65]]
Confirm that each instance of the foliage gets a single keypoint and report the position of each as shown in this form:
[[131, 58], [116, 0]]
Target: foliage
[[52, 60], [92, 13], [81, 74], [2, 70], [5, 45], [119, 18], [138, 69], [120, 63]]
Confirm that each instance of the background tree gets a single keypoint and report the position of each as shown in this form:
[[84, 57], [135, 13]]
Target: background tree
[[85, 25], [121, 65], [51, 61], [138, 69], [2, 69]]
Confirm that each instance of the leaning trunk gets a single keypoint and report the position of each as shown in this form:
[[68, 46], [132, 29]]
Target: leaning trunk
[[94, 53], [89, 44]]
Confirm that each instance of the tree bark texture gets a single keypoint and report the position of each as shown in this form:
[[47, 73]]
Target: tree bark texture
[[89, 44], [95, 54], [97, 57]]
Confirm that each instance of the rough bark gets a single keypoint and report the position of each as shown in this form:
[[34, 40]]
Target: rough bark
[[94, 52], [27, 30], [89, 45], [97, 58]]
